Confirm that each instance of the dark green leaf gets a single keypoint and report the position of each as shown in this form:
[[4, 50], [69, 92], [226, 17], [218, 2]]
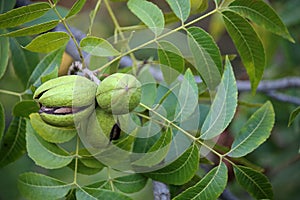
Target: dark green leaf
[[209, 187], [32, 30], [179, 171], [83, 169], [254, 132], [45, 154], [25, 108], [263, 15], [13, 143], [23, 14], [131, 183], [148, 13], [46, 65], [51, 75], [25, 62], [2, 121], [248, 45], [51, 133], [293, 115], [206, 56], [38, 186], [48, 42], [4, 54], [95, 194], [223, 107], [6, 5], [76, 8], [181, 8], [254, 182]]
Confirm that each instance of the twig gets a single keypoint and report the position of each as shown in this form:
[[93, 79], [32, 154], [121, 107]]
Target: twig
[[284, 98]]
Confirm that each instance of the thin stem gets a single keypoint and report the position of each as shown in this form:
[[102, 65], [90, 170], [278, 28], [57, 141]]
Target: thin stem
[[110, 179], [12, 93], [93, 15], [156, 39], [76, 160], [63, 20]]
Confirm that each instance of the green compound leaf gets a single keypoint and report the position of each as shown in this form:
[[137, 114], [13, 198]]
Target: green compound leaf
[[48, 42], [98, 47], [131, 183], [23, 14], [223, 106], [32, 30], [95, 194], [45, 154], [254, 132], [2, 121], [293, 115], [179, 171], [181, 8], [206, 56], [256, 183], [78, 5], [51, 133], [4, 54], [149, 14], [248, 45], [38, 186], [209, 187], [13, 144], [25, 108], [263, 15]]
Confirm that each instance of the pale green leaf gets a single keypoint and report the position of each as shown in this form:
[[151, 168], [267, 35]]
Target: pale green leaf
[[48, 42], [206, 56], [45, 154], [209, 187], [6, 5], [23, 14], [256, 183], [78, 5], [13, 144], [223, 107], [263, 15], [98, 47], [181, 8], [248, 45], [2, 121], [4, 54], [46, 65], [25, 107], [131, 183], [32, 30], [179, 171], [38, 186], [293, 115], [149, 14], [51, 133], [254, 132], [95, 194]]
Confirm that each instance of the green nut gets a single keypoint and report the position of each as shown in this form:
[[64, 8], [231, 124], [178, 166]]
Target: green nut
[[119, 93], [66, 99]]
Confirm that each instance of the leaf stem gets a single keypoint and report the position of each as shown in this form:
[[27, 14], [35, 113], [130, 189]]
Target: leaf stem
[[93, 15], [76, 160], [12, 93]]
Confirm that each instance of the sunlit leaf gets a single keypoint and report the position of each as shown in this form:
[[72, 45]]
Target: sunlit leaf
[[95, 194], [78, 5], [48, 42], [181, 8], [2, 121], [254, 182], [13, 143], [24, 108], [131, 183], [4, 54], [206, 56], [23, 14], [45, 154], [148, 13], [32, 30], [263, 15], [6, 5], [209, 187], [98, 47], [248, 45], [223, 107], [46, 65], [38, 186], [254, 132], [293, 115], [179, 171], [51, 133], [198, 6]]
